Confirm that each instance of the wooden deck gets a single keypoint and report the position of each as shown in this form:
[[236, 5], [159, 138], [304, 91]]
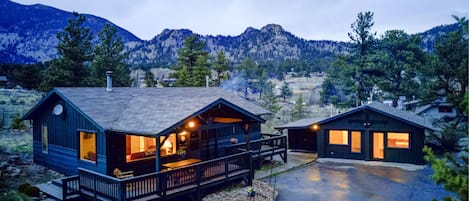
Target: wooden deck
[[188, 180]]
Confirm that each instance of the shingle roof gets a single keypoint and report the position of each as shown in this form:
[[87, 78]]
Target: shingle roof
[[381, 108], [148, 110], [302, 123]]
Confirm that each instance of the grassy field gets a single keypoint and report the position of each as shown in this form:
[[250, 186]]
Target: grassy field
[[16, 101]]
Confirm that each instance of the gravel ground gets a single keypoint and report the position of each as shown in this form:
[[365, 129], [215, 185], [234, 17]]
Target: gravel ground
[[264, 192]]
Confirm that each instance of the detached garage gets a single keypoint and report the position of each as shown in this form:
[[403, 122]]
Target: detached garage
[[370, 132], [301, 135]]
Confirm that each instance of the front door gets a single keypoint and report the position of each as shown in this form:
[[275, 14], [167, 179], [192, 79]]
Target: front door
[[378, 145]]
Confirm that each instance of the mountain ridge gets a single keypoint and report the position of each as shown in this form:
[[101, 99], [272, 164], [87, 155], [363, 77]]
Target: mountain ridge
[[28, 35]]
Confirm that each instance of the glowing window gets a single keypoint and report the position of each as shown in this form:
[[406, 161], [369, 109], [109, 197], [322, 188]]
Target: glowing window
[[339, 137], [88, 146], [356, 142], [139, 148], [398, 140], [45, 142], [168, 147]]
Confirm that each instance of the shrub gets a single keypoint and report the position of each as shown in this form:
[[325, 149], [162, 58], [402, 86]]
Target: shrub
[[13, 196], [29, 190], [17, 122]]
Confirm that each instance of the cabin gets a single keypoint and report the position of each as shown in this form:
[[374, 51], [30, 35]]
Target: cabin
[[373, 132], [437, 110], [150, 143]]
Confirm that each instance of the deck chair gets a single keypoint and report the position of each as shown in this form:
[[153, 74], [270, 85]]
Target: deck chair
[[122, 175]]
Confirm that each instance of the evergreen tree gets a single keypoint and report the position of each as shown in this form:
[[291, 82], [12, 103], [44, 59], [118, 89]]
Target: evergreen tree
[[109, 55], [200, 71], [220, 66], [247, 71], [268, 99], [449, 69], [451, 172], [192, 66], [398, 60], [28, 76], [285, 91], [149, 79], [75, 50], [356, 73], [17, 122], [298, 109]]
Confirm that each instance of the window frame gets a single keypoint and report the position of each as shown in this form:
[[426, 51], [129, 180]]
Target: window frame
[[79, 131], [44, 149], [329, 137], [397, 132]]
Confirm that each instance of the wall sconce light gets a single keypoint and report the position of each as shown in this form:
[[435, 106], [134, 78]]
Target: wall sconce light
[[315, 127], [366, 124]]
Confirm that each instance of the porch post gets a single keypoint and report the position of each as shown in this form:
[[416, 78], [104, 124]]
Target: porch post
[[157, 154], [246, 135]]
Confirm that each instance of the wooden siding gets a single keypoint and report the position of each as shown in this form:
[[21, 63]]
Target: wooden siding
[[63, 138], [379, 123], [302, 139]]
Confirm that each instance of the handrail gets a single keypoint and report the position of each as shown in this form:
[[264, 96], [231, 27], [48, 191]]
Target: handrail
[[159, 182]]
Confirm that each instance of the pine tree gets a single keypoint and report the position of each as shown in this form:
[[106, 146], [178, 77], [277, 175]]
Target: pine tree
[[220, 66], [17, 122], [200, 71], [269, 100], [109, 55], [192, 63], [247, 71], [285, 91], [149, 79], [298, 109], [451, 172], [75, 50]]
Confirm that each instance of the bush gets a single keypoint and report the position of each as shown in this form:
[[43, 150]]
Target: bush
[[448, 140], [13, 196], [17, 122], [29, 190]]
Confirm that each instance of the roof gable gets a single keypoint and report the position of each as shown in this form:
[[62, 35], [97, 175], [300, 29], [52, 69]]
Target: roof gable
[[380, 108]]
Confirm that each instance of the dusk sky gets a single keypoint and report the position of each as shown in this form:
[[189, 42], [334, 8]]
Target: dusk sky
[[309, 19]]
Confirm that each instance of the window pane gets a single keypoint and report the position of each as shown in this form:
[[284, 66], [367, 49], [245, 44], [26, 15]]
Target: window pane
[[338, 137], [88, 146], [45, 142], [139, 147], [356, 142], [169, 146], [398, 140]]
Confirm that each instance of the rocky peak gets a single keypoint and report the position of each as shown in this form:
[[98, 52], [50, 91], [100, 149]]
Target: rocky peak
[[273, 28]]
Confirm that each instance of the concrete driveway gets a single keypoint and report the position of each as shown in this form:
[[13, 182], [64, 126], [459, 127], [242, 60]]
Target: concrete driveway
[[337, 181]]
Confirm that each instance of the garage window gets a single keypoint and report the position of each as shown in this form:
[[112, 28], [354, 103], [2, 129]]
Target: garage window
[[398, 140], [356, 142], [339, 137]]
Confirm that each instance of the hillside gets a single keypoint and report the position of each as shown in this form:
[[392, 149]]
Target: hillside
[[28, 33], [269, 44]]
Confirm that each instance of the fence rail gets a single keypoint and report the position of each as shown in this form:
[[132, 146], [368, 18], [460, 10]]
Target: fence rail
[[268, 146]]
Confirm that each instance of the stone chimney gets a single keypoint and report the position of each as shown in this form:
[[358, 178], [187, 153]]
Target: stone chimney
[[108, 80]]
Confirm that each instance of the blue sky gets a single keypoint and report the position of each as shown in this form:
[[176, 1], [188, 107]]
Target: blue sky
[[309, 19]]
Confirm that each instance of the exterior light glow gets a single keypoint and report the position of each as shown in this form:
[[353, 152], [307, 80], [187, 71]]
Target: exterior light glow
[[315, 127], [191, 124]]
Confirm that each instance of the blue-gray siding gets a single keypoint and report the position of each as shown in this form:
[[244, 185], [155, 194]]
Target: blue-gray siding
[[379, 123], [63, 138]]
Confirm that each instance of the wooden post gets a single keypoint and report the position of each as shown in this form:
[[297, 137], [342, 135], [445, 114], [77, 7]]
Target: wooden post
[[246, 135], [157, 154]]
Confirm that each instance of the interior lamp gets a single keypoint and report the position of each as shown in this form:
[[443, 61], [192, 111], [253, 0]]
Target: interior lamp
[[168, 146]]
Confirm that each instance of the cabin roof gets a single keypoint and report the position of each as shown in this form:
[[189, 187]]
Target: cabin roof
[[148, 110], [381, 108]]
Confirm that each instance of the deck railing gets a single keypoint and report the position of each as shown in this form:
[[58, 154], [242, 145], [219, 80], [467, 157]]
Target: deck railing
[[70, 187], [267, 146], [180, 180]]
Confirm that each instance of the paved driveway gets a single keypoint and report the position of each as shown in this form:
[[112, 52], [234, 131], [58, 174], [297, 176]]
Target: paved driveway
[[335, 181]]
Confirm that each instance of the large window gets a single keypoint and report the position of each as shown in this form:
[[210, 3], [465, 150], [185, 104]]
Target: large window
[[44, 137], [139, 147], [339, 137], [356, 142], [168, 147], [398, 140], [88, 146]]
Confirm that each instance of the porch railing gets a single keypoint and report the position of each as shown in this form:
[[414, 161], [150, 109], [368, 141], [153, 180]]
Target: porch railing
[[161, 184], [70, 187], [269, 145]]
